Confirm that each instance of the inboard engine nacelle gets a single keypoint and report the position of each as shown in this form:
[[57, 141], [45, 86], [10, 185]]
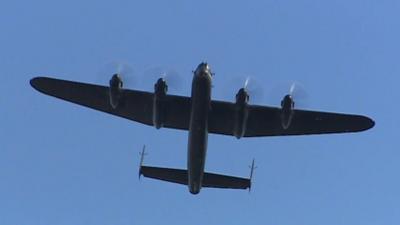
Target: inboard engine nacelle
[[287, 112], [241, 113], [160, 92], [115, 93]]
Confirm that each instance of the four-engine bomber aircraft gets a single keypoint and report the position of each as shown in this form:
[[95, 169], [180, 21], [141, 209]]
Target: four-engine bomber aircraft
[[200, 115]]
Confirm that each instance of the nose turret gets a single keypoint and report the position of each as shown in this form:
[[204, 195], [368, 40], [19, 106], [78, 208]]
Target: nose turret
[[203, 69]]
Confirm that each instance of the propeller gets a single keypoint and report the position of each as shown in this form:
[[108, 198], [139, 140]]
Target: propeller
[[170, 75], [231, 86], [296, 90], [298, 94], [123, 70], [253, 89], [246, 83]]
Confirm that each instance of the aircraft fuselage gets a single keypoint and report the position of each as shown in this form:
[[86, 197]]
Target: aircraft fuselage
[[198, 127]]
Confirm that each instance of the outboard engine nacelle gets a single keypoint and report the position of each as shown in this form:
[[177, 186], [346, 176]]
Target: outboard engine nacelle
[[160, 92], [115, 92], [287, 112], [241, 113]]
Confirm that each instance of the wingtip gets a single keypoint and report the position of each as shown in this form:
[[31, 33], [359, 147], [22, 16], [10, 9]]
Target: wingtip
[[41, 84], [34, 82], [371, 123], [368, 124]]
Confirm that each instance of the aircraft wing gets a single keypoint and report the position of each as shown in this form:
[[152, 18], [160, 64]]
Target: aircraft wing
[[262, 120], [136, 105], [266, 121]]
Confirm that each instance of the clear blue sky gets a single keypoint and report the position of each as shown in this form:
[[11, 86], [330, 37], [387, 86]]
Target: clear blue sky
[[63, 164]]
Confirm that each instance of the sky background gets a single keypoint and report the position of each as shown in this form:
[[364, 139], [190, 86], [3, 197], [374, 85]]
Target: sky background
[[63, 164]]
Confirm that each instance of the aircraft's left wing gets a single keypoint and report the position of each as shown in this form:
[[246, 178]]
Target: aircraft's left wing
[[266, 121], [136, 105]]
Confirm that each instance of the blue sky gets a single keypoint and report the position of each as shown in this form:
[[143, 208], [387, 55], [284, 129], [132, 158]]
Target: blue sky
[[64, 164]]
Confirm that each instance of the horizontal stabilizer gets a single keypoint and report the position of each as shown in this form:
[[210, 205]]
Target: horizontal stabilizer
[[210, 180], [165, 174], [222, 181]]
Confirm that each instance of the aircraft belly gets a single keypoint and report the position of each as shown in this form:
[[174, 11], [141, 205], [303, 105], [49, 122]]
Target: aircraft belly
[[198, 133], [196, 158]]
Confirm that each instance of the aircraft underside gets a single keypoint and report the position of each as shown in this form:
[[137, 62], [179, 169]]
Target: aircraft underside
[[200, 115]]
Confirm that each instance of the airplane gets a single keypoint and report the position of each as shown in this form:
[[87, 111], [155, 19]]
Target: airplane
[[200, 115]]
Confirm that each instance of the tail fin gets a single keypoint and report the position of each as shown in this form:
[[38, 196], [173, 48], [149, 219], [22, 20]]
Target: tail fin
[[142, 154], [252, 168]]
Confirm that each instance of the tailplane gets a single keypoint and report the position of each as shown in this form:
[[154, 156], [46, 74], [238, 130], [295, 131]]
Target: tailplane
[[210, 180], [179, 176]]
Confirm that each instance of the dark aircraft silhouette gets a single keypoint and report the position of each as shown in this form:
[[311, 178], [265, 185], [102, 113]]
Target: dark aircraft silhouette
[[200, 115]]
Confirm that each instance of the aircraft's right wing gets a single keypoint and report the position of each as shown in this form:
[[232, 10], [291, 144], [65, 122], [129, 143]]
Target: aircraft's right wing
[[136, 105], [266, 121]]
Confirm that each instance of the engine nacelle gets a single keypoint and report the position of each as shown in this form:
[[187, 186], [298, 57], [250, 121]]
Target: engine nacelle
[[241, 113], [287, 112], [160, 92], [115, 91]]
